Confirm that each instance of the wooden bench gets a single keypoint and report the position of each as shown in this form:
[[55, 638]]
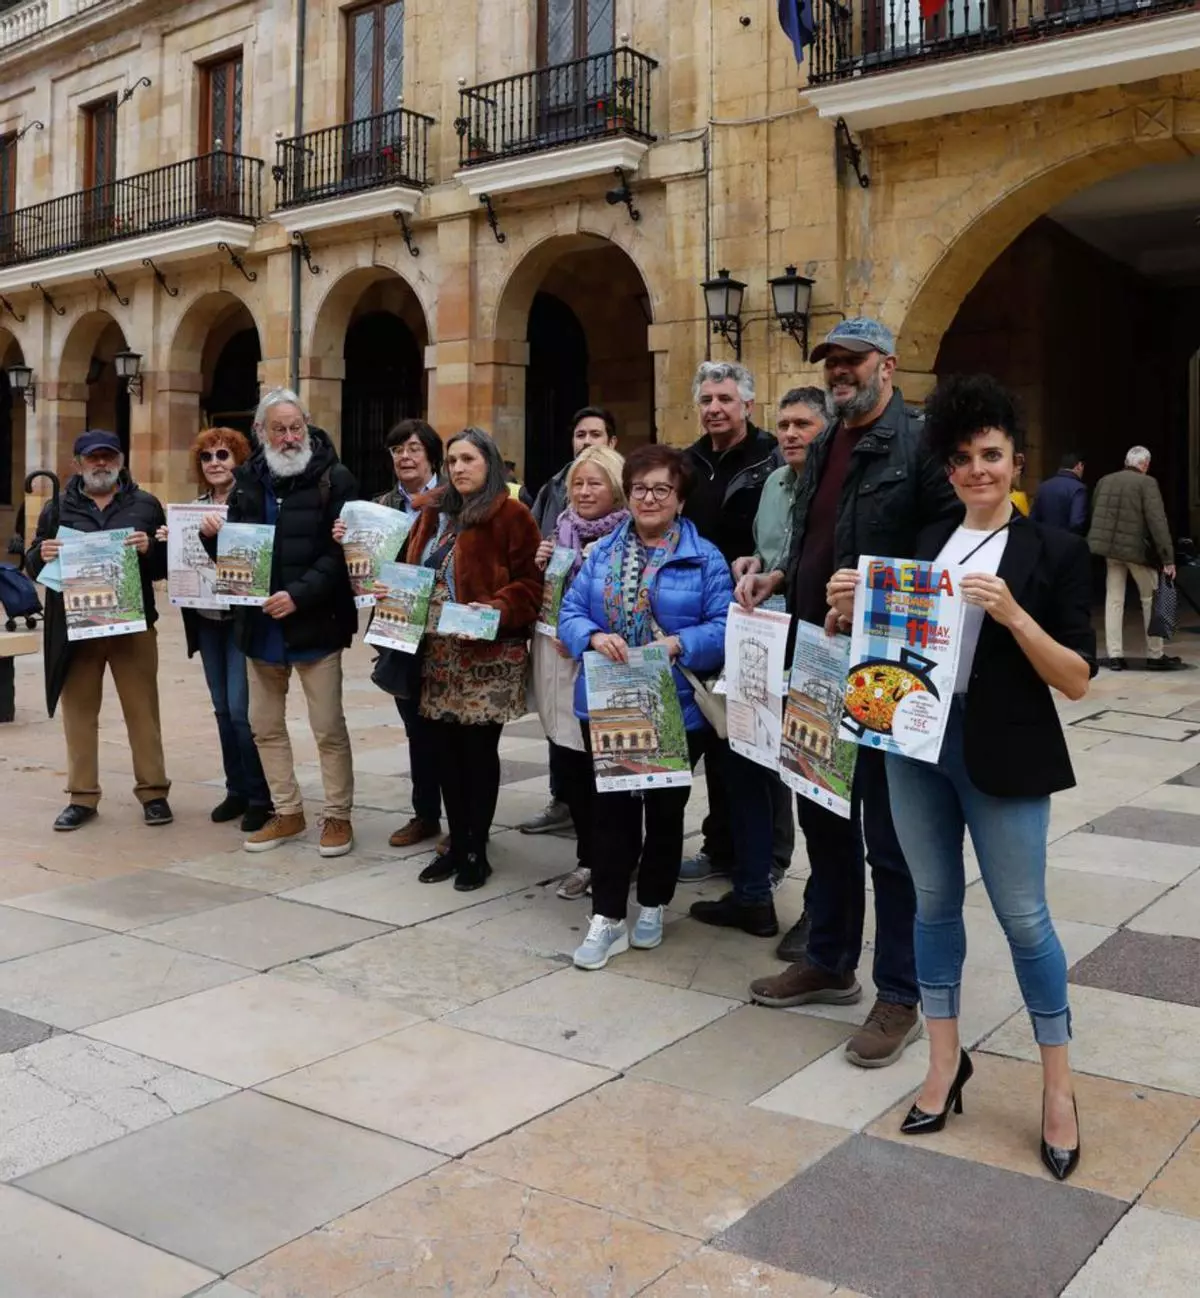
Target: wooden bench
[[12, 645]]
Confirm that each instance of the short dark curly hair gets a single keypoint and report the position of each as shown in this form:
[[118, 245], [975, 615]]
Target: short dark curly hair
[[963, 405], [654, 455]]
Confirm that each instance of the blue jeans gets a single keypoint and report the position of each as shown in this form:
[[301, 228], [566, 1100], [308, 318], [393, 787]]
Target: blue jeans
[[838, 852], [751, 818], [225, 672], [931, 806], [422, 762]]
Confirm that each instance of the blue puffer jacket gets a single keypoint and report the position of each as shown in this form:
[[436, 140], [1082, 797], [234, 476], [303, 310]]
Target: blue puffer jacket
[[689, 596]]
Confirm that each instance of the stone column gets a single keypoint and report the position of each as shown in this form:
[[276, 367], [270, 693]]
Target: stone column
[[173, 398], [321, 379]]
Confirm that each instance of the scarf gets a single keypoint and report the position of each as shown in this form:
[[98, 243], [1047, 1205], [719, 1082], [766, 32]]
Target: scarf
[[574, 533], [631, 569]]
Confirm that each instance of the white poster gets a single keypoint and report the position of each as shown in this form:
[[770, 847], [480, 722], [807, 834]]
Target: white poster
[[755, 673], [191, 574]]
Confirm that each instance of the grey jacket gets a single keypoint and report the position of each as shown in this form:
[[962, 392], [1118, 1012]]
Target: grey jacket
[[551, 501], [1129, 523]]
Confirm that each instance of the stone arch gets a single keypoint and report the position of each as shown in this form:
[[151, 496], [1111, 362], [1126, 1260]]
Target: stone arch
[[345, 296], [79, 345], [195, 326], [13, 451]]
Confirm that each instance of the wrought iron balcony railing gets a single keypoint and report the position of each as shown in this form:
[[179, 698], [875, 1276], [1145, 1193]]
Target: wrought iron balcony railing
[[214, 185], [863, 36], [389, 148], [586, 99]]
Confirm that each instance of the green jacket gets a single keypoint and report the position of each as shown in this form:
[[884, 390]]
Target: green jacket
[[1129, 522], [773, 522]]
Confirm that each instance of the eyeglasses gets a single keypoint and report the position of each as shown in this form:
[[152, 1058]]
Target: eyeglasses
[[296, 430], [220, 455], [659, 490]]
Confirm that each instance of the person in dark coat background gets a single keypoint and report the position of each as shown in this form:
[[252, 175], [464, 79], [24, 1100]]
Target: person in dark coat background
[[102, 497], [1062, 501]]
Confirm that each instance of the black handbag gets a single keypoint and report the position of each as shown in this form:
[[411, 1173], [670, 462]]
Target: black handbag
[[398, 674], [1164, 609]]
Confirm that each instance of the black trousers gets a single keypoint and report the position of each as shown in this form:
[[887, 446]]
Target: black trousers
[[642, 830], [577, 788], [422, 762], [468, 770], [716, 829]]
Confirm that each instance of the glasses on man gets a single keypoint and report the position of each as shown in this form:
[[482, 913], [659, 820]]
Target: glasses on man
[[658, 490], [220, 455], [296, 430]]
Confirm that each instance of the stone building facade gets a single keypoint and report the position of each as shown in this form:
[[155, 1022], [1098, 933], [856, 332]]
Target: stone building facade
[[429, 208]]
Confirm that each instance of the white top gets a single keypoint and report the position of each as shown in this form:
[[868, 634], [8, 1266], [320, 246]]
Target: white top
[[986, 559]]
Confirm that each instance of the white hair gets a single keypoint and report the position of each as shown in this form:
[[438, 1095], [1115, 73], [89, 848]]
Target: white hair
[[718, 372], [277, 397], [1137, 457]]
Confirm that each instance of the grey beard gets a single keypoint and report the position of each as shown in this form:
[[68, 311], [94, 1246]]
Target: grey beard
[[288, 464], [101, 480], [864, 400]]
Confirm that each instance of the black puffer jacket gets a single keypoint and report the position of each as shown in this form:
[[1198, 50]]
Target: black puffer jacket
[[307, 562], [131, 507]]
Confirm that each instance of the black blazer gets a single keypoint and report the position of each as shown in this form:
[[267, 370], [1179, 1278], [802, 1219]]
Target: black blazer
[[1012, 738]]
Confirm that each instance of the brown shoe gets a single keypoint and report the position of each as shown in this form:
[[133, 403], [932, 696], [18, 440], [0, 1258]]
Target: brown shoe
[[277, 830], [337, 837], [416, 831], [882, 1038], [805, 984]]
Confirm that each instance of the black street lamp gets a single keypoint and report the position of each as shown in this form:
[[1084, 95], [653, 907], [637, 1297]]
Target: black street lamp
[[129, 368], [791, 295], [21, 379], [723, 303]]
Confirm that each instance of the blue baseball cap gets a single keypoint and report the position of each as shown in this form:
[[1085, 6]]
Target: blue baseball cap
[[862, 334], [96, 439]]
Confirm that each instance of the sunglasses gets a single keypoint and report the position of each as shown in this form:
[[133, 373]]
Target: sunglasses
[[220, 455]]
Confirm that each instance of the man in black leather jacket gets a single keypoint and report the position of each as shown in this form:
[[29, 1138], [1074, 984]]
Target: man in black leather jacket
[[869, 487]]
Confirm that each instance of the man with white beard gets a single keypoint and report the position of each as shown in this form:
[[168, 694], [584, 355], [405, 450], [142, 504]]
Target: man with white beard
[[295, 482], [101, 497]]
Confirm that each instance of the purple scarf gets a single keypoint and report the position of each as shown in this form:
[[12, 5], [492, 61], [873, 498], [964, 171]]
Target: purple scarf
[[574, 532]]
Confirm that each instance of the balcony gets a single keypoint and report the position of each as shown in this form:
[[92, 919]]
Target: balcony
[[555, 124], [878, 62], [370, 167], [166, 214], [21, 19]]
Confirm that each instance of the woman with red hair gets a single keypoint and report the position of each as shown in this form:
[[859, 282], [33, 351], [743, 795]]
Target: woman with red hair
[[216, 452]]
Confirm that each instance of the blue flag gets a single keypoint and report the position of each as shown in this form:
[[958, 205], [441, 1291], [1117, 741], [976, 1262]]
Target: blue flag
[[796, 19]]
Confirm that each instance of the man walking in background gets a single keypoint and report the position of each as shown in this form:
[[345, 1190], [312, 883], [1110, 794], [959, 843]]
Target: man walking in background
[[1129, 530], [1062, 501]]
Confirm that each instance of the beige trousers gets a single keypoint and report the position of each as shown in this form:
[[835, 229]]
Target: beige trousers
[[133, 661], [322, 684], [1146, 580]]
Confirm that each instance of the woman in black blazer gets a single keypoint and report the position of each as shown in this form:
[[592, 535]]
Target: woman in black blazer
[[1027, 629]]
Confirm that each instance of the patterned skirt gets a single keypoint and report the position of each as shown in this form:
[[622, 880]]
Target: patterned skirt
[[473, 682]]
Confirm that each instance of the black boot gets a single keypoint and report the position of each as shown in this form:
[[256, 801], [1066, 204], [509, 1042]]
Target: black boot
[[473, 873], [757, 920], [230, 809], [794, 947]]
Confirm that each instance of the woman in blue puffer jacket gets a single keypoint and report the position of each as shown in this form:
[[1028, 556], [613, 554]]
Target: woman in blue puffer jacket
[[653, 579]]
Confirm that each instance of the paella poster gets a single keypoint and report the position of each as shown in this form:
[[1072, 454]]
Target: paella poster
[[636, 723], [102, 585], [903, 656], [244, 553], [375, 535], [814, 760], [755, 673], [401, 614], [191, 574]]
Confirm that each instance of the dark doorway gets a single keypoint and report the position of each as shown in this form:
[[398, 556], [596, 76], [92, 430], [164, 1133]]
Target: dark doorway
[[556, 385], [234, 395], [382, 386], [6, 440]]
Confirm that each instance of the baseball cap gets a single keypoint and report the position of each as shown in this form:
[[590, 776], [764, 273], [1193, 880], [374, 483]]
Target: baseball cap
[[861, 334], [96, 439]]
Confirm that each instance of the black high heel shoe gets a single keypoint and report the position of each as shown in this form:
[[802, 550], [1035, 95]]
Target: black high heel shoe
[[920, 1123], [1060, 1163]]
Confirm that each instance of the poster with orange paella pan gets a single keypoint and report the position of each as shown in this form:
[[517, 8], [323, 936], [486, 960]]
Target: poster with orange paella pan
[[904, 647]]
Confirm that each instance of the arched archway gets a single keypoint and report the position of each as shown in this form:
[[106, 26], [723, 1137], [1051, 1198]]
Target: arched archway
[[12, 436], [91, 394]]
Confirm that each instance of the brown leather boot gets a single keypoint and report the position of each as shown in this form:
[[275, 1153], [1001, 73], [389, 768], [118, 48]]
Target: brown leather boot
[[805, 984], [882, 1038], [415, 831]]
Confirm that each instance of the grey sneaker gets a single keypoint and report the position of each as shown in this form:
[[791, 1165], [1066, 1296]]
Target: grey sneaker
[[695, 869], [576, 884], [555, 815], [648, 931], [605, 937]]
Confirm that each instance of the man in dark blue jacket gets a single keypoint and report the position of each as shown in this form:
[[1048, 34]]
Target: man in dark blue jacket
[[1062, 501]]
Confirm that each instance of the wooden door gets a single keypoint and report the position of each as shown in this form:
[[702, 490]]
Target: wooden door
[[373, 143], [575, 99], [8, 193], [99, 169], [220, 134]]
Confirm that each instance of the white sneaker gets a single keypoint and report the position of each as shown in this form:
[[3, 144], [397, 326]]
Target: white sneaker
[[605, 937], [648, 931]]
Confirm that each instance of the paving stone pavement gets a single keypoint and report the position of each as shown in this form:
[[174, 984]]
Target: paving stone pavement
[[280, 1076]]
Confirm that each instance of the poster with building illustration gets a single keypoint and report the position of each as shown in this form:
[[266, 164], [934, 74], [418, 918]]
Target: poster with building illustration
[[904, 646], [554, 585], [375, 535], [755, 677], [400, 615], [244, 563], [101, 585], [814, 760], [636, 723], [191, 574]]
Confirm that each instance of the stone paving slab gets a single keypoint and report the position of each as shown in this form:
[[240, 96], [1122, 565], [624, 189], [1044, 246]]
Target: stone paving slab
[[1148, 825], [1160, 967], [1150, 1254], [1177, 1186], [975, 1229], [24, 934], [16, 1032], [712, 1274]]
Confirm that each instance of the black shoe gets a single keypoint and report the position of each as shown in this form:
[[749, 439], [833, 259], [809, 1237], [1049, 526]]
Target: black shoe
[[1116, 665], [794, 947], [230, 809], [439, 869], [157, 812], [255, 818], [473, 873], [1167, 663], [72, 816], [920, 1123], [728, 912], [1060, 1163]]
